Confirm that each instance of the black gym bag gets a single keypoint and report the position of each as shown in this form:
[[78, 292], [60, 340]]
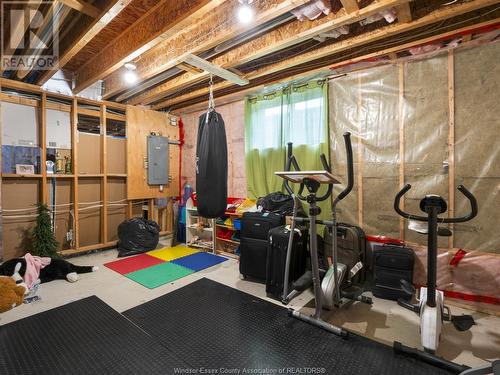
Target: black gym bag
[[211, 166], [391, 264]]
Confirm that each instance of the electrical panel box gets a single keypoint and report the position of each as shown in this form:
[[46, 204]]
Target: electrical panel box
[[158, 160]]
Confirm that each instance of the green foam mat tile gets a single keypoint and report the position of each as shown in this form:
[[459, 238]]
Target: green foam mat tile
[[155, 276]]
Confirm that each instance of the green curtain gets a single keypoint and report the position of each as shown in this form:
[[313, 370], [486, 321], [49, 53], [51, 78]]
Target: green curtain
[[296, 114]]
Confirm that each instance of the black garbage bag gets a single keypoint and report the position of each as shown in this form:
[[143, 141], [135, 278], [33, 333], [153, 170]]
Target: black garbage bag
[[137, 235], [211, 166]]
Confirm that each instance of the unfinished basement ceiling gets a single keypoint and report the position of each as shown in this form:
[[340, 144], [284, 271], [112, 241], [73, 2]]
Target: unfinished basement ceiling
[[275, 47]]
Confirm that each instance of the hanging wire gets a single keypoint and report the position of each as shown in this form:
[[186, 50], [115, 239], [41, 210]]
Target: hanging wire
[[211, 100]]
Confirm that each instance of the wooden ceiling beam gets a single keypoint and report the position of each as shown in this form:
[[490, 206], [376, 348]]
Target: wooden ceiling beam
[[112, 9], [282, 37], [82, 7], [201, 37], [354, 42], [254, 90], [350, 5], [164, 20], [189, 68], [404, 13]]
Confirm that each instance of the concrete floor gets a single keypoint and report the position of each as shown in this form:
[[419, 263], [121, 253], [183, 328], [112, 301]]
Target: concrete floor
[[384, 321]]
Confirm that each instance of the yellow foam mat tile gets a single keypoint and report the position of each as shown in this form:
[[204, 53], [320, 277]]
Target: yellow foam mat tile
[[171, 253]]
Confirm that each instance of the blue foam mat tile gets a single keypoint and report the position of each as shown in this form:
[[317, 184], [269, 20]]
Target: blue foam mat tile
[[199, 261]]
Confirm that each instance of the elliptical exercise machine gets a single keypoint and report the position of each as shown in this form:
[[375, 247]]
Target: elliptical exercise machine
[[332, 289], [431, 308]]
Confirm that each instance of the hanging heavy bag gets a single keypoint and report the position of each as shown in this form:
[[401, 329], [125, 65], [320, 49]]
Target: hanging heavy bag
[[211, 166]]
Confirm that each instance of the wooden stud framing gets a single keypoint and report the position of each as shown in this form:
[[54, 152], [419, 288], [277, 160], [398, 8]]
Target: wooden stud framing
[[350, 5], [162, 21], [350, 43], [360, 156], [104, 181], [401, 71], [106, 16], [42, 128], [82, 7], [216, 70], [451, 142], [200, 37], [74, 162], [282, 37], [404, 13]]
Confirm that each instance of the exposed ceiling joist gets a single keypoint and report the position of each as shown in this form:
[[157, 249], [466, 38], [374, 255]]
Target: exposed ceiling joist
[[45, 34], [328, 68], [282, 37], [82, 7], [404, 13], [200, 38], [350, 5], [100, 22], [354, 42], [166, 19], [216, 70], [19, 28], [189, 68]]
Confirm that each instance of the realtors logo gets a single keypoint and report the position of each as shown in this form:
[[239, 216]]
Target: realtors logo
[[30, 39]]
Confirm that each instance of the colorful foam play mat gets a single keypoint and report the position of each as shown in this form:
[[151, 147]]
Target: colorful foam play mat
[[158, 267]]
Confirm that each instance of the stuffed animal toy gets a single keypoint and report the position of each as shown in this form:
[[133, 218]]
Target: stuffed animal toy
[[12, 290], [45, 269]]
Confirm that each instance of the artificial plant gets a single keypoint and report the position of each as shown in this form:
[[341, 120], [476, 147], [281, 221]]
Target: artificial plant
[[44, 241]]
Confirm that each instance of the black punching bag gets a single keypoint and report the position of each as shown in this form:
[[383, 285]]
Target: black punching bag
[[211, 166]]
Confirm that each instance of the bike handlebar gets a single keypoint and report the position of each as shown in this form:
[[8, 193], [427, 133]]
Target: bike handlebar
[[349, 166], [461, 219]]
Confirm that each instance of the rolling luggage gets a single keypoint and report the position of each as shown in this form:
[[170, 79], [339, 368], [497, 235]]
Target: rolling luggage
[[276, 259], [351, 248], [391, 264], [255, 227]]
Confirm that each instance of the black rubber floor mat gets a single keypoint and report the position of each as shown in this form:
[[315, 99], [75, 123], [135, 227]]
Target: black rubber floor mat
[[212, 326], [83, 337]]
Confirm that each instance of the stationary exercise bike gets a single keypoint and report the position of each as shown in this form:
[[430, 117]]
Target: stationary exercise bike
[[332, 287], [431, 308]]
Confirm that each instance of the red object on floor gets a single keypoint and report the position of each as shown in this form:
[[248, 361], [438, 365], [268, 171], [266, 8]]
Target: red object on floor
[[134, 263]]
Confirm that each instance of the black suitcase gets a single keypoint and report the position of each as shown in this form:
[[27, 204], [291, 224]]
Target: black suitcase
[[276, 259], [391, 264], [257, 225], [253, 257], [351, 248]]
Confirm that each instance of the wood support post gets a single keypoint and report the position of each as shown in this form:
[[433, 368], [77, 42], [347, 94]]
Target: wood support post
[[74, 162], [401, 75], [451, 142], [104, 181], [42, 128], [360, 155]]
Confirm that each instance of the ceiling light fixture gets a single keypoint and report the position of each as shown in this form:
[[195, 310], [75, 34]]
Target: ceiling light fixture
[[245, 12], [130, 75]]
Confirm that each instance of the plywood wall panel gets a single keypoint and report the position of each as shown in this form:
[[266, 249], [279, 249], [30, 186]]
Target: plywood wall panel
[[89, 190], [140, 123], [17, 232], [117, 191], [89, 153], [117, 155]]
